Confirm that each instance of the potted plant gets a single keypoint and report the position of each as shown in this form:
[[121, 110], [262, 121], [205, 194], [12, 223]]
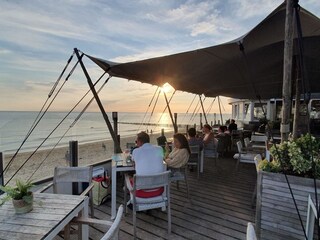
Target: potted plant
[[283, 186], [22, 197]]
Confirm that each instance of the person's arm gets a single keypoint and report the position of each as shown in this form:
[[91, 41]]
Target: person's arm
[[177, 159]]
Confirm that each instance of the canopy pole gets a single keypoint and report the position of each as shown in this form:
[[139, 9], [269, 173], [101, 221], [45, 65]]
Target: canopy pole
[[287, 72], [220, 110], [175, 127], [204, 113], [105, 116]]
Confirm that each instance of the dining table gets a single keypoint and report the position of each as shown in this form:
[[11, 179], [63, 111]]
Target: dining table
[[50, 214]]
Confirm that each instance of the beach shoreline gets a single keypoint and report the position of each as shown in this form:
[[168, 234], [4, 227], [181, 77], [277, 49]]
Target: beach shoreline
[[41, 163]]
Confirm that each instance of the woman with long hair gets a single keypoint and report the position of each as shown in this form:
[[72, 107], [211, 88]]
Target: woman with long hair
[[180, 153]]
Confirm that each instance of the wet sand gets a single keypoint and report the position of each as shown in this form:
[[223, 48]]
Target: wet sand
[[41, 164]]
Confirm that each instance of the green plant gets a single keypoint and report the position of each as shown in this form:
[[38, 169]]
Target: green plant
[[20, 191], [296, 157], [267, 166]]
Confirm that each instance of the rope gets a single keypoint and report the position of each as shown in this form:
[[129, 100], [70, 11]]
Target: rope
[[72, 124], [164, 110], [38, 118], [154, 106], [48, 135], [145, 114], [211, 105], [188, 108]]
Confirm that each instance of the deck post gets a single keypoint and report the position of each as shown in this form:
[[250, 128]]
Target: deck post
[[1, 169], [73, 158], [115, 127]]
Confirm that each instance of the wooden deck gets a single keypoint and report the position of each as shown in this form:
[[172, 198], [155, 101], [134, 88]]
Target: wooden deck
[[219, 207]]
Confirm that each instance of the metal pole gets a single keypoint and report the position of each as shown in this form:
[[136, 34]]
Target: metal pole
[[175, 115], [204, 113], [170, 113], [201, 120], [105, 116], [220, 111]]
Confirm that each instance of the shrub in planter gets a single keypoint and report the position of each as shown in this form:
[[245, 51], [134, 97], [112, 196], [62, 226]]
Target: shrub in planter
[[295, 157]]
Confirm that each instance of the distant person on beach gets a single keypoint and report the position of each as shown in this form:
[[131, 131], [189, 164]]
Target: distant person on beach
[[232, 126], [148, 159], [180, 153]]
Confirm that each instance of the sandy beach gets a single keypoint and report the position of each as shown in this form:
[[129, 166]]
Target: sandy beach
[[41, 164]]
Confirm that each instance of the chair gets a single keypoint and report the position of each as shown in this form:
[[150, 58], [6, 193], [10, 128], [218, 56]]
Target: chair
[[180, 174], [312, 214], [211, 153], [114, 227], [194, 159], [257, 159], [243, 156], [74, 175], [251, 233], [146, 182]]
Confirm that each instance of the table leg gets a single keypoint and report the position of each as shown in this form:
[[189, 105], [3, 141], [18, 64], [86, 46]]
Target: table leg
[[85, 213], [113, 193], [201, 161]]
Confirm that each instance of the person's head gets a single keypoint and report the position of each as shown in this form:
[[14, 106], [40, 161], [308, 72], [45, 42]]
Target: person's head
[[206, 128], [192, 132], [221, 129], [180, 141], [142, 138], [233, 121]]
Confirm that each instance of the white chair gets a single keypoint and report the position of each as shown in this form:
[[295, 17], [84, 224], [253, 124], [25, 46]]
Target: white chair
[[73, 176], [251, 233], [114, 227], [257, 159], [311, 216], [242, 156], [147, 182], [194, 158]]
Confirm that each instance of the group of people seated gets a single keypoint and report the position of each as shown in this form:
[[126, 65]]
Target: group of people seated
[[148, 159]]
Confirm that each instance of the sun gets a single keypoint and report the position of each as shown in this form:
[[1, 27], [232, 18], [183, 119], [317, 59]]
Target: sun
[[167, 88]]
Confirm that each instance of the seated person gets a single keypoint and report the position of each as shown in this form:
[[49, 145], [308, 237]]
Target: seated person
[[232, 126], [193, 140], [209, 141], [148, 159], [180, 153]]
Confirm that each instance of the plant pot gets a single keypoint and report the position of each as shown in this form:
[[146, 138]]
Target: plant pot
[[21, 206]]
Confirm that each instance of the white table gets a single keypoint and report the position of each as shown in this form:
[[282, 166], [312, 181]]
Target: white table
[[50, 214], [117, 166]]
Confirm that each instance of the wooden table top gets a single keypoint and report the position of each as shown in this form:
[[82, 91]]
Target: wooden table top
[[51, 212]]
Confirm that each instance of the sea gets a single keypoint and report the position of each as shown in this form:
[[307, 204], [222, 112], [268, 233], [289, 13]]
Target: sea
[[21, 129]]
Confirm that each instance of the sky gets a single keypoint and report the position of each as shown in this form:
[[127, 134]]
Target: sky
[[37, 38]]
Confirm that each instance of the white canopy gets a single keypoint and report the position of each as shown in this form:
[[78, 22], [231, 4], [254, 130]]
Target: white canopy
[[225, 69]]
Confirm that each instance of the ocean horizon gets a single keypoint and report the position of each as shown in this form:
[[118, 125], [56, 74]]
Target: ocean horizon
[[90, 127]]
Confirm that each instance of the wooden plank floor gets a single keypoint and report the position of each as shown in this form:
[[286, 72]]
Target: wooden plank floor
[[219, 206]]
